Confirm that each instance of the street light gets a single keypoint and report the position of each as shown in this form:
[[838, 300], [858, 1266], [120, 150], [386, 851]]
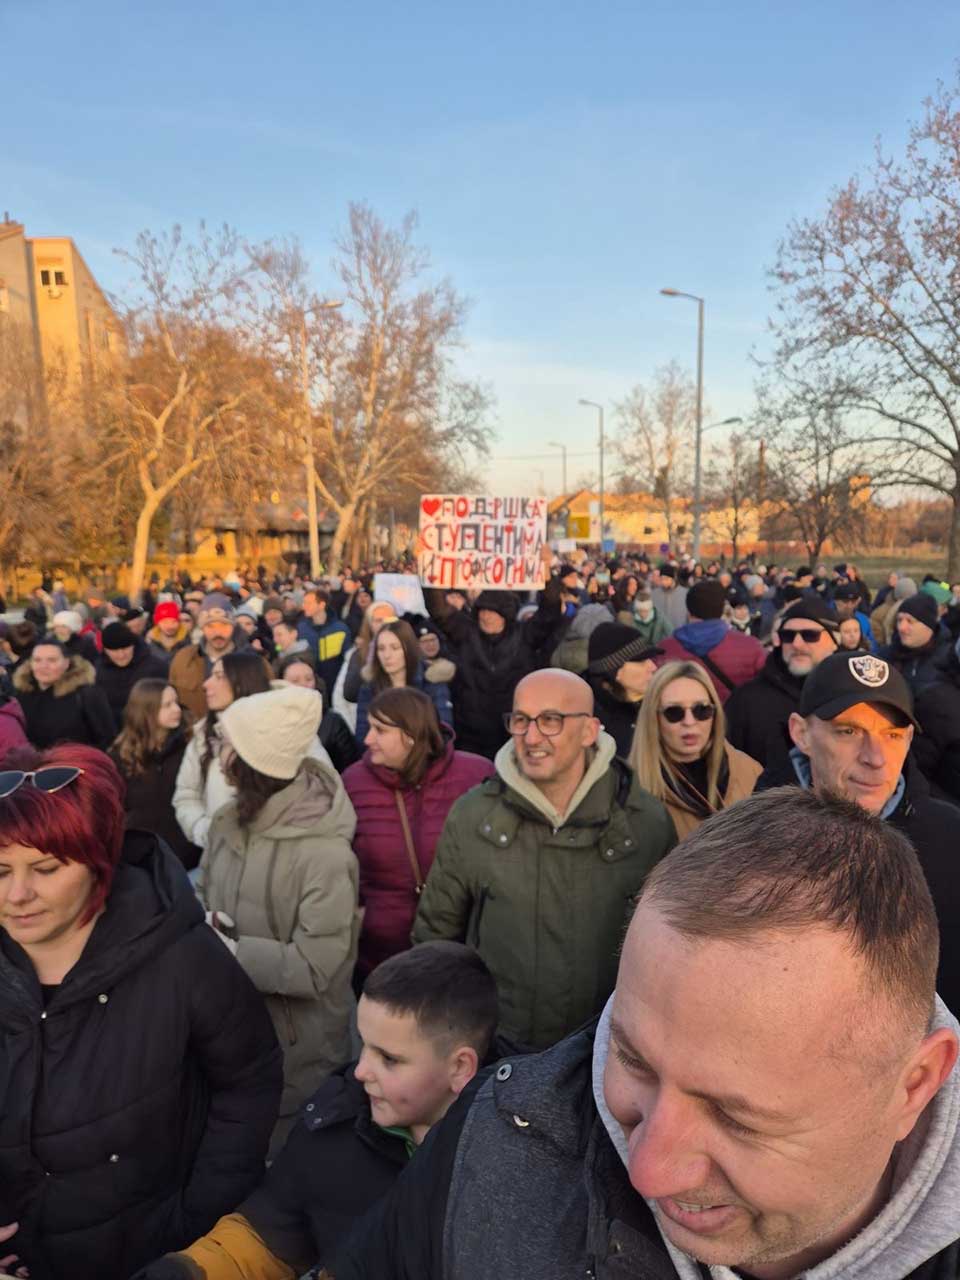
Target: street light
[[592, 404], [676, 293], [314, 532], [552, 444]]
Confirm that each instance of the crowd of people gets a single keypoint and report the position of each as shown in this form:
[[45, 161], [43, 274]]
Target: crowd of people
[[612, 929]]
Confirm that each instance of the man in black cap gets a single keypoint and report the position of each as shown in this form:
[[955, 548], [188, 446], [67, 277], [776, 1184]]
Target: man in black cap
[[757, 712], [670, 599], [621, 665], [852, 733], [730, 657]]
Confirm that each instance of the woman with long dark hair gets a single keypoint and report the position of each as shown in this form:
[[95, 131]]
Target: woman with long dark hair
[[280, 880], [395, 663], [402, 791], [139, 1073], [201, 788], [149, 751]]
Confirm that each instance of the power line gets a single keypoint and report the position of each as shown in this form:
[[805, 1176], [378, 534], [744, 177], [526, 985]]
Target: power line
[[525, 457]]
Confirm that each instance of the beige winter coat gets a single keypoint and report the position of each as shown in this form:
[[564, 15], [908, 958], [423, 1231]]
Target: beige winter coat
[[290, 883]]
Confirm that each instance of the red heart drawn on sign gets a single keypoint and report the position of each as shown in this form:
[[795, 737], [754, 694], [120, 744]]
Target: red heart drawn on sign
[[508, 528], [430, 506]]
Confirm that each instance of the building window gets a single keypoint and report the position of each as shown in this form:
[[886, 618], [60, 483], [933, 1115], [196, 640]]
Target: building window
[[45, 277], [59, 277]]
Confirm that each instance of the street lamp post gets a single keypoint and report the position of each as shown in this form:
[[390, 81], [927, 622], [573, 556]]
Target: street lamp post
[[676, 293], [552, 444], [599, 408], [314, 532]]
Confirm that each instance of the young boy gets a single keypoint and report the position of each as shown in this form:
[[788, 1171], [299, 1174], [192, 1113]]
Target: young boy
[[426, 1020]]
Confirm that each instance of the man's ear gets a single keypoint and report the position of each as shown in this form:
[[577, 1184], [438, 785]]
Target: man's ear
[[591, 730], [463, 1064], [926, 1071], [799, 733]]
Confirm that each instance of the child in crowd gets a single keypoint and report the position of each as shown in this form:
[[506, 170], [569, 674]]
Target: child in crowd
[[426, 1019]]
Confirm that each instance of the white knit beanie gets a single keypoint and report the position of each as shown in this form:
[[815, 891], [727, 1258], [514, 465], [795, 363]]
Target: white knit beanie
[[68, 618], [273, 731]]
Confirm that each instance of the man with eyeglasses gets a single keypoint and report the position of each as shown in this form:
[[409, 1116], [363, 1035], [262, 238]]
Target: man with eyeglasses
[[758, 712], [537, 866]]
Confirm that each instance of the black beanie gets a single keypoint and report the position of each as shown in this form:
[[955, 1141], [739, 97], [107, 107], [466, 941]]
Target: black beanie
[[118, 636], [923, 607], [613, 643], [705, 599]]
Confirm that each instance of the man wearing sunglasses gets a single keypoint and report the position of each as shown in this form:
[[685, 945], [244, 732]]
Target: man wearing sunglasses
[[758, 712], [536, 866]]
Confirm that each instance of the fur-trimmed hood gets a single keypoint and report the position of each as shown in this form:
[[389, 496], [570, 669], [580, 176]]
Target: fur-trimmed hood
[[79, 673]]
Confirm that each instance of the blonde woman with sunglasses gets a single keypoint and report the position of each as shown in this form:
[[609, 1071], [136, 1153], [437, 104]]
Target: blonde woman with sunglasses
[[680, 753]]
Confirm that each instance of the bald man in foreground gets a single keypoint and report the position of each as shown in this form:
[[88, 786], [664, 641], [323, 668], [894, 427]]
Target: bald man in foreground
[[538, 866]]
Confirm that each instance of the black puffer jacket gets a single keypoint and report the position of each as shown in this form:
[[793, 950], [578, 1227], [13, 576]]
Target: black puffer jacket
[[490, 667], [136, 1107], [72, 710], [757, 713]]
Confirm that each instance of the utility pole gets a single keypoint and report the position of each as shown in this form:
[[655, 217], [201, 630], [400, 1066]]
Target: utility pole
[[599, 408]]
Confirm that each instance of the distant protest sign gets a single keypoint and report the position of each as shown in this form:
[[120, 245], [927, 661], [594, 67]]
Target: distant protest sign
[[475, 540], [402, 590]]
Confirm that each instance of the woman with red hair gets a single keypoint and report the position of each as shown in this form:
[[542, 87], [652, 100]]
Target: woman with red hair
[[139, 1071]]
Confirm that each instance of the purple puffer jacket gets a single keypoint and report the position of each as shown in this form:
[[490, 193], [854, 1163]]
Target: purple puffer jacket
[[13, 727], [387, 885]]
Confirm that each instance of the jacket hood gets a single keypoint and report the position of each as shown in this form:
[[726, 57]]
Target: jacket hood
[[586, 620], [14, 711], [917, 1222], [315, 798], [701, 637], [79, 673], [150, 905], [509, 771]]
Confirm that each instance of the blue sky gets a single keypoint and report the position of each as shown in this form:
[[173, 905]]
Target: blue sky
[[566, 160]]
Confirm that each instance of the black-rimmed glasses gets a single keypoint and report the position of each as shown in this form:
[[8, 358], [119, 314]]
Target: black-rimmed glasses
[[52, 778], [549, 723]]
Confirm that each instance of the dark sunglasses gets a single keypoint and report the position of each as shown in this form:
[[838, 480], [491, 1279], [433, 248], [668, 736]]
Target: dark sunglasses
[[807, 634], [53, 778], [701, 711]]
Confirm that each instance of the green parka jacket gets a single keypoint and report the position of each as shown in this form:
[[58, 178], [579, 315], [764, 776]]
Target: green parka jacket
[[290, 883], [544, 897]]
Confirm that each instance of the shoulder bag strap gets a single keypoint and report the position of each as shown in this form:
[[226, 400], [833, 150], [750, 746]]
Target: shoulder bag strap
[[408, 841], [712, 667]]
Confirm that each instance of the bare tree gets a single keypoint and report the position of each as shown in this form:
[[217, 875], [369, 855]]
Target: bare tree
[[871, 290], [194, 394], [655, 437], [732, 487], [817, 479], [393, 413]]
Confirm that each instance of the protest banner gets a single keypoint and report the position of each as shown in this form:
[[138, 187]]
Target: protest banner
[[402, 590], [475, 540]]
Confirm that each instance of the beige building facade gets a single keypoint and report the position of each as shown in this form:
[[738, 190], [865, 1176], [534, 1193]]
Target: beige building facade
[[48, 289]]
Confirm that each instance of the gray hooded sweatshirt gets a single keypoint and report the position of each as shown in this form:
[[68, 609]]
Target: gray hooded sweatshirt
[[922, 1216]]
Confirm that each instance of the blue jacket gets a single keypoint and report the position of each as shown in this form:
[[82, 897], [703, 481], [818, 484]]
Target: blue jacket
[[438, 693], [329, 645]]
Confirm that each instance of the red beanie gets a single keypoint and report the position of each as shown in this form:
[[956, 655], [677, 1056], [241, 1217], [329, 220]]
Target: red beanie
[[169, 609]]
